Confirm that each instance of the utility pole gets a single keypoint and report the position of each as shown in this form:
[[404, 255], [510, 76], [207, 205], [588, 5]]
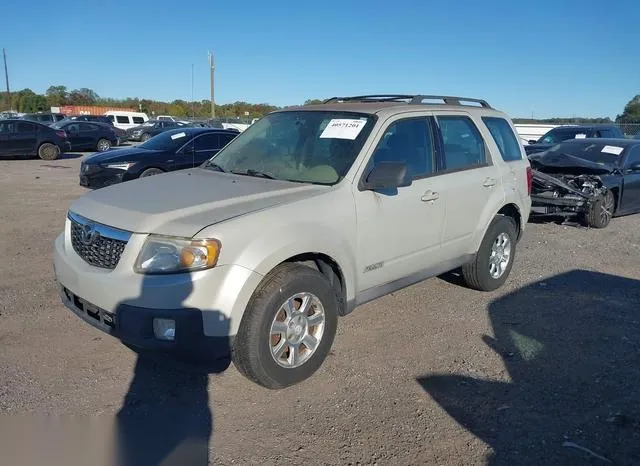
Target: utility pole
[[211, 69], [6, 77], [193, 103]]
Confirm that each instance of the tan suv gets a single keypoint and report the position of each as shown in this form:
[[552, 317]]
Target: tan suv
[[309, 213]]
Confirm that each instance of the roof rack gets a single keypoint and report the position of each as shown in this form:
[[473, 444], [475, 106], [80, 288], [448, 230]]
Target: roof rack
[[413, 99]]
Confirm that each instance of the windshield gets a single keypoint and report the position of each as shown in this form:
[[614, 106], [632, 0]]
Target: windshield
[[169, 140], [303, 146], [601, 153]]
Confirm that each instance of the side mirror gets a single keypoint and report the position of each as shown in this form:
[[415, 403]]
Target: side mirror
[[532, 141], [635, 167], [388, 175]]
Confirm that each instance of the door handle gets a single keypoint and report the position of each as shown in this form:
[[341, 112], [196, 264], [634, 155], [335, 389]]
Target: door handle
[[489, 183], [430, 196]]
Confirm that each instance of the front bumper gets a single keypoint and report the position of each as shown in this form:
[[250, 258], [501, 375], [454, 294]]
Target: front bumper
[[102, 177], [207, 306]]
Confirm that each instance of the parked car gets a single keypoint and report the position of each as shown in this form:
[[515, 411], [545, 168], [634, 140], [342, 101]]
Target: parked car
[[21, 138], [120, 133], [151, 128], [593, 179], [125, 120], [44, 117], [84, 135], [301, 218], [175, 149], [564, 133]]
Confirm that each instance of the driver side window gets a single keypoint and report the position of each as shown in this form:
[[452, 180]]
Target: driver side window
[[409, 141]]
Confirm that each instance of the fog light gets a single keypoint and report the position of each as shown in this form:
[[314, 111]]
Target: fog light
[[164, 329]]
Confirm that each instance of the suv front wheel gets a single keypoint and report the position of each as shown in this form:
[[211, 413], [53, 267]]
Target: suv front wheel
[[288, 327], [492, 263]]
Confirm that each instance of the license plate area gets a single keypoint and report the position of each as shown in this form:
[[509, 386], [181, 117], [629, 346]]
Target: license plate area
[[93, 314]]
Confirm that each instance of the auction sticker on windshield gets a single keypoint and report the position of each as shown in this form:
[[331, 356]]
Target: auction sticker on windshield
[[343, 128], [615, 150], [178, 135]]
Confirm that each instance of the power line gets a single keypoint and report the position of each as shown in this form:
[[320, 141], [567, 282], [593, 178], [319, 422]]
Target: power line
[[211, 70]]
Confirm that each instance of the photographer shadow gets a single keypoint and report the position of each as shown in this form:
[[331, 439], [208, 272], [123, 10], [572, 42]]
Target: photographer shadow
[[165, 418], [570, 345]]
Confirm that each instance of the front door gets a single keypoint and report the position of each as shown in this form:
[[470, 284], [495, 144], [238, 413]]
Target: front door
[[630, 199], [399, 232]]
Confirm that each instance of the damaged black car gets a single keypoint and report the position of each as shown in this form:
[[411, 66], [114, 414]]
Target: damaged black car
[[592, 179]]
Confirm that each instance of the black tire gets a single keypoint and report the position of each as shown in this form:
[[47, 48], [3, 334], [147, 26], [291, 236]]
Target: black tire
[[48, 151], [145, 137], [601, 211], [251, 350], [151, 172], [476, 273], [103, 145]]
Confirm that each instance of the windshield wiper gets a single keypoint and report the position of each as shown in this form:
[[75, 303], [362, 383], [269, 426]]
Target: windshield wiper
[[256, 173], [215, 166]]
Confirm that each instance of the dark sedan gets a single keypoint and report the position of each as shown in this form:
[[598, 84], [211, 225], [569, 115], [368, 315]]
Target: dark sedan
[[84, 135], [22, 138], [151, 128], [175, 149], [568, 132], [595, 179]]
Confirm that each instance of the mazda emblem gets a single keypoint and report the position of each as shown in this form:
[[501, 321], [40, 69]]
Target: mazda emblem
[[88, 234]]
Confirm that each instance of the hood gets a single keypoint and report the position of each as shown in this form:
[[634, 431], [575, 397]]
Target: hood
[[553, 162], [128, 154], [184, 202]]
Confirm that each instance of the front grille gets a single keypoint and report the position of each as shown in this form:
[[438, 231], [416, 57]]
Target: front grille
[[97, 244]]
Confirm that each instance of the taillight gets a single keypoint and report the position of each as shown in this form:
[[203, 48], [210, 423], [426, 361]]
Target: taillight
[[529, 180], [62, 134]]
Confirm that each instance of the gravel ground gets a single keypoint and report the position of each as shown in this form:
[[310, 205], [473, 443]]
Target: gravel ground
[[544, 371]]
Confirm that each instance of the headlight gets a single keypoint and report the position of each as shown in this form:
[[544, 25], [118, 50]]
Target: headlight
[[165, 254], [120, 166]]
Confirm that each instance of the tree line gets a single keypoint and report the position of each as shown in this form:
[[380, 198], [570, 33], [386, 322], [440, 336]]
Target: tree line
[[27, 101]]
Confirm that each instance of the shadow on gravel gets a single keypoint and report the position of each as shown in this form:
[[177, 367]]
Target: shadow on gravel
[[571, 347], [165, 416]]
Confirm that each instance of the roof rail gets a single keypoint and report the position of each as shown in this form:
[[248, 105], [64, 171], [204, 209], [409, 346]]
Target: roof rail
[[413, 99]]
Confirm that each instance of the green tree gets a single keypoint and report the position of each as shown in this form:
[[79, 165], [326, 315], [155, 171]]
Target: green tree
[[631, 113], [312, 101], [56, 96], [83, 96]]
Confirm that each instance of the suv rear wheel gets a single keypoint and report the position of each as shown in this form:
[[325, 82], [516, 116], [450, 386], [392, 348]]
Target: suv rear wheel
[[492, 263], [288, 327]]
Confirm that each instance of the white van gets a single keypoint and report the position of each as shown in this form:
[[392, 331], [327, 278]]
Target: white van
[[126, 120]]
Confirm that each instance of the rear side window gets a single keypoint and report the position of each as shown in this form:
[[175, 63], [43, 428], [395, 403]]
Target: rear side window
[[505, 139], [407, 141], [122, 119], [138, 120], [463, 144], [87, 127], [225, 139]]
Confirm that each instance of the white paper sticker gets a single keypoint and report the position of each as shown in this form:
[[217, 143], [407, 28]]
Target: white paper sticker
[[343, 129], [581, 136], [178, 135], [615, 150]]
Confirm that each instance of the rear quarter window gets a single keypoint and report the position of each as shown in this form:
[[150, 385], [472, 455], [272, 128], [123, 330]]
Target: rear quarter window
[[122, 119], [138, 120], [504, 138]]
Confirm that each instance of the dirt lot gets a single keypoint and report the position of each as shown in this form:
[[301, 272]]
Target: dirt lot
[[434, 374]]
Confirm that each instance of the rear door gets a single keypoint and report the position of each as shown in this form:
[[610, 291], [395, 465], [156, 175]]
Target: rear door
[[24, 138], [502, 135], [471, 181], [88, 136]]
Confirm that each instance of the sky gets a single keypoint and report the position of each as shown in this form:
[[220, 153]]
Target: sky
[[541, 58]]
